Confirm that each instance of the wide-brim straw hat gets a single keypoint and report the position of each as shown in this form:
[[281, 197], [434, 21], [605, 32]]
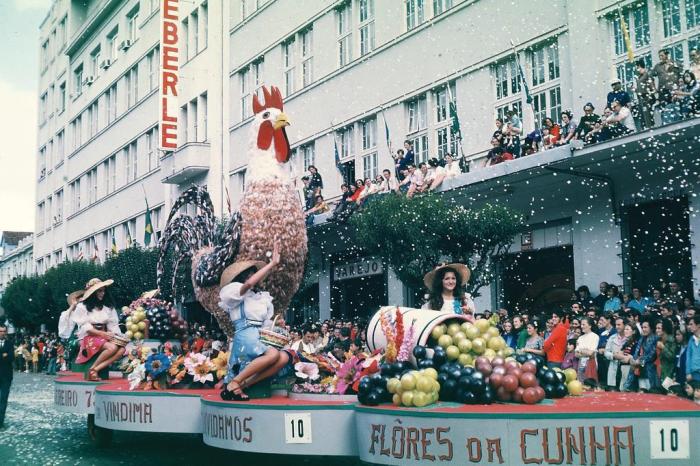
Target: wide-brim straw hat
[[93, 285], [74, 297], [461, 269], [235, 269], [150, 294]]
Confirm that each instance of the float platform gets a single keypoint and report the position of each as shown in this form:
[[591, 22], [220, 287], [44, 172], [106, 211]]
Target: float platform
[[596, 428]]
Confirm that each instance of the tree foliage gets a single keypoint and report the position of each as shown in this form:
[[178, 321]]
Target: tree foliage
[[32, 301], [413, 235]]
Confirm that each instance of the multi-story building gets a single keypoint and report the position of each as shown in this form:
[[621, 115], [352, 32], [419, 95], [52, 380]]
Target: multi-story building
[[362, 76], [16, 258], [98, 158]]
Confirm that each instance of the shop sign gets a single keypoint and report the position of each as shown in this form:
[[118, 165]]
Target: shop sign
[[526, 241], [361, 268], [168, 74]]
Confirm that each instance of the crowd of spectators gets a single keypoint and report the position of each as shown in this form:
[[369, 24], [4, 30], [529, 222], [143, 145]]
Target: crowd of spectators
[[39, 353], [666, 93], [617, 341]]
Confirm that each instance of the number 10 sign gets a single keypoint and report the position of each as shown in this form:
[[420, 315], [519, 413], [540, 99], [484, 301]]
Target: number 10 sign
[[669, 439], [297, 427]]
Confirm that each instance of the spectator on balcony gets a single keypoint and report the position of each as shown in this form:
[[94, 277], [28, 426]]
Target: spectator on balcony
[[404, 158], [618, 94], [319, 207], [436, 174], [451, 166], [425, 173], [308, 192], [359, 187], [568, 127], [587, 122], [687, 95], [498, 134], [388, 183], [370, 188], [497, 154], [315, 182], [548, 139], [413, 181], [645, 94], [620, 122], [667, 74], [342, 202], [512, 133], [554, 129], [695, 62], [532, 142]]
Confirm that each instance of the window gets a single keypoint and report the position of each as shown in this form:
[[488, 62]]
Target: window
[[75, 195], [43, 103], [246, 8], [545, 64], [205, 24], [51, 99], [203, 111], [113, 44], [49, 154], [193, 119], [40, 216], [640, 29], [366, 8], [60, 146], [194, 30], [132, 27], [107, 167], [692, 13], [246, 96], [111, 99], [369, 165], [78, 81], [132, 86], [637, 20], [183, 136], [61, 98], [671, 13], [42, 162], [131, 162], [61, 33], [289, 66], [417, 114], [44, 55], [92, 115], [440, 6], [257, 77], [91, 180], [627, 74], [95, 63], [547, 104], [308, 155], [346, 137], [507, 77], [442, 97], [58, 217], [152, 148], [306, 39], [49, 211], [344, 34], [415, 14], [153, 61], [420, 148], [76, 127]]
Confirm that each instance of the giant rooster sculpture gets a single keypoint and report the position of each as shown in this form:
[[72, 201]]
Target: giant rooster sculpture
[[270, 212]]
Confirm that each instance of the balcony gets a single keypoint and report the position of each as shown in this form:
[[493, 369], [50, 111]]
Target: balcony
[[189, 161]]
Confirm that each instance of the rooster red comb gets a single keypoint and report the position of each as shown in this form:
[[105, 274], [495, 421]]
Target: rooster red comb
[[272, 99]]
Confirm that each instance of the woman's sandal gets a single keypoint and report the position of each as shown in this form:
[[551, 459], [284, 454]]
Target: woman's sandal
[[236, 394], [93, 375]]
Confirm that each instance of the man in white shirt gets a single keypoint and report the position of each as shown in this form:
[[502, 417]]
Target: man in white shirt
[[389, 184], [414, 180], [306, 344], [621, 121], [451, 166]]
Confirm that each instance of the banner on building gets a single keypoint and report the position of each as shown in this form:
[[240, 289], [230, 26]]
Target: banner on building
[[360, 268], [168, 74]]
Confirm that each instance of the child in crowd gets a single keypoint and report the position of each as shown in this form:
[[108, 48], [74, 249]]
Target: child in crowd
[[570, 360]]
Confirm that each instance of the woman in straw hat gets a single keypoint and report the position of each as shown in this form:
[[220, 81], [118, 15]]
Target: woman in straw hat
[[445, 284], [250, 360], [98, 324]]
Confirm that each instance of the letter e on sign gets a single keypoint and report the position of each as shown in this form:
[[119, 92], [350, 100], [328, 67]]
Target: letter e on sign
[[669, 439], [297, 427]]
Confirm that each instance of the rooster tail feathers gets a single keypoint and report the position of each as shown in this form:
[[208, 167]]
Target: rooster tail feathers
[[210, 267]]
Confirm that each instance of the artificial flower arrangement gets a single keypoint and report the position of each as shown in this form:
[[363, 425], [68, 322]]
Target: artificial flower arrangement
[[325, 374], [148, 369]]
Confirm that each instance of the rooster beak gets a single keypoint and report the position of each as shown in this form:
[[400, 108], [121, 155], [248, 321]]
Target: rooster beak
[[281, 121]]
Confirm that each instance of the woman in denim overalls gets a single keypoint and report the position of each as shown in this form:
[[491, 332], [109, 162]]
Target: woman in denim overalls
[[250, 360]]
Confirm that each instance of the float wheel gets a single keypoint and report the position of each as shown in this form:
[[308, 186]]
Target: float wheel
[[99, 436]]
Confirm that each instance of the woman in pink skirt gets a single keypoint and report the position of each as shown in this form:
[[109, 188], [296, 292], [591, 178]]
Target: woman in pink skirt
[[98, 324]]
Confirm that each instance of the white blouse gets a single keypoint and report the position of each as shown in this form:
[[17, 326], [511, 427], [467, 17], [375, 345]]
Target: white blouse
[[85, 319], [258, 305]]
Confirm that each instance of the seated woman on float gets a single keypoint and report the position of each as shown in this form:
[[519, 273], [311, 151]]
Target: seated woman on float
[[250, 360], [446, 286], [98, 328]]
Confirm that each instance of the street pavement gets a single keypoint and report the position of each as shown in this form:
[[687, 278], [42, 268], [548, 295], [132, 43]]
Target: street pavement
[[36, 434]]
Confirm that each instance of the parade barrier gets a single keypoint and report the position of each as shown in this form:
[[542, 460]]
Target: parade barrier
[[596, 428]]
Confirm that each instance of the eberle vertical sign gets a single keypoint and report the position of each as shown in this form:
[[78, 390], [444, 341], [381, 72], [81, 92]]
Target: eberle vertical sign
[[168, 74]]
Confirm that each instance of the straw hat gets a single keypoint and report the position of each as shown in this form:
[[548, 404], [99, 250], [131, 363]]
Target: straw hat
[[150, 294], [93, 285], [74, 297], [235, 269], [461, 269]]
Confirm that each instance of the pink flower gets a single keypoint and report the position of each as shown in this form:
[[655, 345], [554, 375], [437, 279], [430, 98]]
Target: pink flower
[[306, 370], [347, 374]]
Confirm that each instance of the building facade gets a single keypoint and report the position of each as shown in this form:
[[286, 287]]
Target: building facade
[[359, 77], [17, 258]]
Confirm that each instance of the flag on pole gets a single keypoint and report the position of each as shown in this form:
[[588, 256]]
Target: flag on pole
[[129, 239], [626, 35], [526, 89], [386, 132], [228, 199], [115, 250], [455, 128], [148, 230], [81, 256], [96, 253], [338, 165]]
